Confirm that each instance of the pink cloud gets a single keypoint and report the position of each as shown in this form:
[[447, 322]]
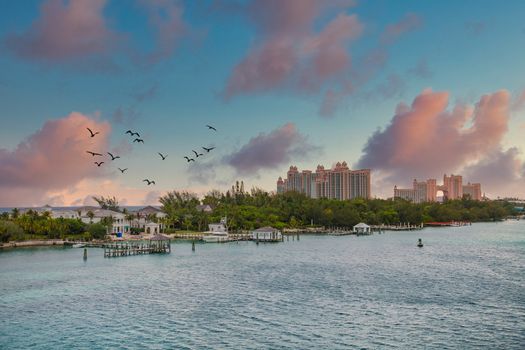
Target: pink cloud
[[55, 156], [268, 151], [392, 32], [501, 173], [65, 31], [426, 139], [289, 53]]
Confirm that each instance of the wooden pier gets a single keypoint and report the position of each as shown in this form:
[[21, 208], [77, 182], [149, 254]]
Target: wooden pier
[[158, 244]]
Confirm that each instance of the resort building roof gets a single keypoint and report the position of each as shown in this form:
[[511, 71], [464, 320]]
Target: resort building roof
[[148, 210]]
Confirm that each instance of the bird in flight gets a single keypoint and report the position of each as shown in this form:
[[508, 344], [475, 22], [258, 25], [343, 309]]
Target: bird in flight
[[149, 181], [189, 159], [112, 156], [131, 133], [94, 153], [93, 133], [138, 140], [162, 156], [211, 127], [197, 154], [122, 170], [208, 149], [99, 163]]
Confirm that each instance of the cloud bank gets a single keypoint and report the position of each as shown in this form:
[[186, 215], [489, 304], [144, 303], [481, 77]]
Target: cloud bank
[[65, 31], [53, 158], [426, 139], [77, 32], [270, 151], [289, 53]]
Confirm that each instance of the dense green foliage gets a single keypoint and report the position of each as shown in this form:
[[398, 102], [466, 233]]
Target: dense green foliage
[[96, 231], [294, 210], [34, 225], [10, 231]]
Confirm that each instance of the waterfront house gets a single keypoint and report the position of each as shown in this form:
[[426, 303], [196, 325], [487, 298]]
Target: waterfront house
[[267, 234], [362, 229], [143, 216], [64, 214], [119, 222]]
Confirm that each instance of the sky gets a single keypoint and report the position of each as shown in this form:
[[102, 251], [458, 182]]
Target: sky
[[409, 89]]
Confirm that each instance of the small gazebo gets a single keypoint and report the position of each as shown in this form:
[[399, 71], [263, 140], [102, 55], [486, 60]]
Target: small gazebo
[[152, 228], [160, 243], [362, 229]]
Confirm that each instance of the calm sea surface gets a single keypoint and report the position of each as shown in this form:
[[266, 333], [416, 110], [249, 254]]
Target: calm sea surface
[[465, 289]]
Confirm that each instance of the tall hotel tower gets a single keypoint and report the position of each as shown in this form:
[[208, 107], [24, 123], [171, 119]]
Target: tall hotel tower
[[452, 188], [337, 183]]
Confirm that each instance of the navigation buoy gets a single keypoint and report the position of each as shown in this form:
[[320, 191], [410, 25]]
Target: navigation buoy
[[85, 253], [193, 246], [419, 243]]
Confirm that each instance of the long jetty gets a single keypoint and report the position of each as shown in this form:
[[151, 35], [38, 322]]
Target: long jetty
[[133, 248]]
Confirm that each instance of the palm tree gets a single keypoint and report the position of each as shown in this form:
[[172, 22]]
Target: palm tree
[[108, 222], [90, 215], [151, 218], [129, 218], [15, 213]]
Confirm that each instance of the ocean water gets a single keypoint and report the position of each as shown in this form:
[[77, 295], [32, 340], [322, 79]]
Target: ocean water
[[465, 289]]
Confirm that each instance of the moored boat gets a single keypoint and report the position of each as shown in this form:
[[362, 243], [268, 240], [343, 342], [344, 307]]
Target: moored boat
[[217, 232]]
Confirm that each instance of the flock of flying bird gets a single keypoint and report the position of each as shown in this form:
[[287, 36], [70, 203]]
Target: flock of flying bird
[[140, 140]]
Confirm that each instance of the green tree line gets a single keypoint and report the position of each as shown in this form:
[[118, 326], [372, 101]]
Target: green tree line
[[34, 225], [257, 208]]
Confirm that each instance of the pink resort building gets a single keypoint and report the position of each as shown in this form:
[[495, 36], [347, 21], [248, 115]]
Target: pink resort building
[[338, 182], [426, 191]]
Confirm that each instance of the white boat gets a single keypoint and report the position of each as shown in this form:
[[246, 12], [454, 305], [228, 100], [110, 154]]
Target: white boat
[[78, 245], [216, 232]]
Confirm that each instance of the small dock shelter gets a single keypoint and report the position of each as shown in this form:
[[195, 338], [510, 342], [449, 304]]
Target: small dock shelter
[[160, 244], [362, 229], [267, 234]]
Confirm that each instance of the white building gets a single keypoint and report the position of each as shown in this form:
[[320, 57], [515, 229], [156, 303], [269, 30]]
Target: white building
[[142, 217], [120, 224]]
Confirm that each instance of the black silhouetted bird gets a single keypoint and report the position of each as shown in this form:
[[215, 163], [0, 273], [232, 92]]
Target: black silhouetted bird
[[94, 153], [211, 127], [197, 154], [122, 170], [162, 156], [131, 133], [208, 149], [189, 159], [112, 156], [99, 163], [149, 181], [138, 140], [93, 133]]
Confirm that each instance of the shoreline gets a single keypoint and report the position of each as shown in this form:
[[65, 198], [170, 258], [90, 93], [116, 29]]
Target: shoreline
[[173, 236]]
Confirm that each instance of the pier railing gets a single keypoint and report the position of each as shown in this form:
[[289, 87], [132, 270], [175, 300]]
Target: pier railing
[[117, 249]]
